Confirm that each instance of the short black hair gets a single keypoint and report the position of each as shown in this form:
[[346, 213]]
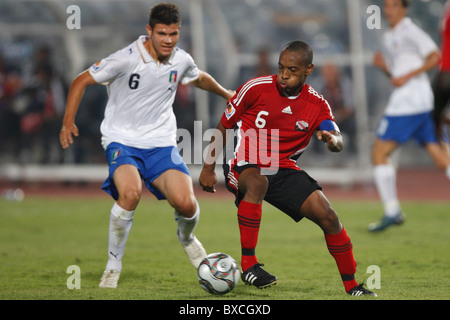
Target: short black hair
[[406, 3], [165, 13], [303, 48]]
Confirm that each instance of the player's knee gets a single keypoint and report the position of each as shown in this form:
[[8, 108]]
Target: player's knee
[[440, 155], [442, 165], [442, 162], [378, 157], [185, 205], [329, 221], [372, 155], [129, 199], [256, 186], [382, 150]]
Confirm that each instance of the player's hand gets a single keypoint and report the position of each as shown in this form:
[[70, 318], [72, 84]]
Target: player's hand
[[332, 141], [400, 81], [326, 137], [66, 135], [231, 93], [378, 60], [208, 179]]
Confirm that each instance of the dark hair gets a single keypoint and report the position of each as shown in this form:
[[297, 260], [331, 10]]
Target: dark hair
[[165, 13], [406, 3], [303, 48]]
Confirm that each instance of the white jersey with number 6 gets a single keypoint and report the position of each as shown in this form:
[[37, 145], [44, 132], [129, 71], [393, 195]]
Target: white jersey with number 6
[[141, 93]]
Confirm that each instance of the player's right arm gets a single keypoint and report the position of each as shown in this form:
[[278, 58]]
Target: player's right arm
[[379, 62], [76, 91], [229, 118], [208, 178]]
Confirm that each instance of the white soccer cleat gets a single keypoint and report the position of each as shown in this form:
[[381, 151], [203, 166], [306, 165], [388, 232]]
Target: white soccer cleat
[[109, 279], [195, 251]]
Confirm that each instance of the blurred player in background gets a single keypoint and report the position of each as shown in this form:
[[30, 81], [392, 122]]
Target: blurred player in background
[[441, 86], [409, 54], [276, 116], [139, 131]]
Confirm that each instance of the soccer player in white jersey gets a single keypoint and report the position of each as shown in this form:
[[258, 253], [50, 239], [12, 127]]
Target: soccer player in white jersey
[[139, 131], [409, 54]]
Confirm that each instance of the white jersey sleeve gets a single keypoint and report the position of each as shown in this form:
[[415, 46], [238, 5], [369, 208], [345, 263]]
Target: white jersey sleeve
[[425, 45], [110, 67], [192, 73]]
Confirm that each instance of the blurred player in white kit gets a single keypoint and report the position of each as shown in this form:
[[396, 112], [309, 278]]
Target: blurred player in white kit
[[409, 53]]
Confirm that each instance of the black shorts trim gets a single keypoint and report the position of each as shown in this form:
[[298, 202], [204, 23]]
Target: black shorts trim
[[287, 191]]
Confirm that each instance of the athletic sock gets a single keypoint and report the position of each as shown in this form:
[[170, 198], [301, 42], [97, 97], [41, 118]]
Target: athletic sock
[[186, 226], [340, 247], [120, 222], [249, 220], [447, 172], [385, 181]]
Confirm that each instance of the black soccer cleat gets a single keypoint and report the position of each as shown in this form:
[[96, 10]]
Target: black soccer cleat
[[361, 291], [257, 276]]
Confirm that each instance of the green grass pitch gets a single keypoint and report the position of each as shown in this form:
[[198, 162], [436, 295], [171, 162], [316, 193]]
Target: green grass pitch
[[41, 237]]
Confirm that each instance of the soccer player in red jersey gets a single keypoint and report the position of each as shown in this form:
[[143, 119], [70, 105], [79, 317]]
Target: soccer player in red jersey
[[275, 118]]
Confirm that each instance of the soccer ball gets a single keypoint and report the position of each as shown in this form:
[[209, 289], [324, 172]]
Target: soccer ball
[[218, 273]]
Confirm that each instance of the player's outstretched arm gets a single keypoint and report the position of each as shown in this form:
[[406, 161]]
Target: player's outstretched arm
[[76, 91], [206, 82], [333, 140]]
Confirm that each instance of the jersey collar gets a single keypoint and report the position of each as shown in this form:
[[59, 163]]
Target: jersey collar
[[404, 22], [146, 57]]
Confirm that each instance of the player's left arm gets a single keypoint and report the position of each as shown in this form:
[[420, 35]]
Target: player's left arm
[[330, 135], [206, 82]]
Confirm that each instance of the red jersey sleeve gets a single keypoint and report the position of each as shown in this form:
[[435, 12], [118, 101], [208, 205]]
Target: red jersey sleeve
[[326, 113], [325, 109]]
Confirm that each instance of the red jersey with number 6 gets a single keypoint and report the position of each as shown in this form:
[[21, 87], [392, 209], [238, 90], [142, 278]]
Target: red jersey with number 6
[[273, 130]]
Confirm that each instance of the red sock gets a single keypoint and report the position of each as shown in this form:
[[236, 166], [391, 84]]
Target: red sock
[[249, 219], [340, 247]]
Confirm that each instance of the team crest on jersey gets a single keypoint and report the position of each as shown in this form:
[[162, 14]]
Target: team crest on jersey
[[229, 111], [173, 76], [302, 125]]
